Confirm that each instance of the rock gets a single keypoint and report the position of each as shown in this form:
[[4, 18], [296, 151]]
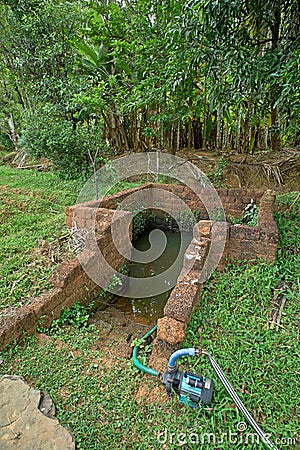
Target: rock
[[170, 330], [22, 424], [46, 405], [204, 228], [183, 298], [103, 327]]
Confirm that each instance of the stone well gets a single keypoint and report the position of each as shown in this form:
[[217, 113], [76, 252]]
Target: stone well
[[72, 284]]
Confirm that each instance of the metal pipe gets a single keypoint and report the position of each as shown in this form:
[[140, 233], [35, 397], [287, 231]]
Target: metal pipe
[[238, 401]]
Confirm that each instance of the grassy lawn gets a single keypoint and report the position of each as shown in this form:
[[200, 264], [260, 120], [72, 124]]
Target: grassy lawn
[[32, 231], [94, 389]]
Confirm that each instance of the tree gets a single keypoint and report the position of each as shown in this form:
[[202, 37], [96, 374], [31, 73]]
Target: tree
[[141, 74]]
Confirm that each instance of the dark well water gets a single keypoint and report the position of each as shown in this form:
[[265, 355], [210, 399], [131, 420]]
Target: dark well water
[[149, 308]]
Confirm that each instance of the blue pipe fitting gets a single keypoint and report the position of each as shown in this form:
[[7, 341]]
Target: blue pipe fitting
[[178, 354]]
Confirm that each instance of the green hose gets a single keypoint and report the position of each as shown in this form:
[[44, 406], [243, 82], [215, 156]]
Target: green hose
[[137, 363]]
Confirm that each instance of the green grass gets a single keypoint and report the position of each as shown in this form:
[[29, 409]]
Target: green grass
[[232, 323], [94, 391], [32, 208], [123, 185]]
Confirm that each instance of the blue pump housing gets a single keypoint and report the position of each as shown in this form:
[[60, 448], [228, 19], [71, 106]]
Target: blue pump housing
[[193, 389]]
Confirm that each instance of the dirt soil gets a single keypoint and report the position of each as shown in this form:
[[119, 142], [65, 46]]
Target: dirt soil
[[279, 172]]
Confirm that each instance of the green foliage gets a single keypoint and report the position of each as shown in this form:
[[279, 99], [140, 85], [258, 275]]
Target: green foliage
[[171, 75], [197, 214], [77, 316], [32, 213], [34, 239], [249, 216], [124, 268], [232, 325], [123, 185], [49, 135], [217, 215], [216, 175], [115, 281], [36, 53], [139, 223], [186, 220], [288, 222], [289, 199]]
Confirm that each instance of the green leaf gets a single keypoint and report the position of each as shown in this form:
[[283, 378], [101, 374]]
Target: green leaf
[[89, 53]]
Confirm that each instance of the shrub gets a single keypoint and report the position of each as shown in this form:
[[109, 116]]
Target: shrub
[[50, 135]]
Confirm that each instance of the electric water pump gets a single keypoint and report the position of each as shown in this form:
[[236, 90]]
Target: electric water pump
[[191, 388]]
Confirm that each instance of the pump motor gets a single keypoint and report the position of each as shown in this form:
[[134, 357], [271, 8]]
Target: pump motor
[[192, 389]]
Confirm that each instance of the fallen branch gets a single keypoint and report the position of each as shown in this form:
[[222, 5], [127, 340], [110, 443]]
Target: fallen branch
[[35, 166], [295, 201]]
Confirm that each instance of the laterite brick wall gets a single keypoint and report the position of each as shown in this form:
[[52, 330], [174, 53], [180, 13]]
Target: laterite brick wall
[[71, 283]]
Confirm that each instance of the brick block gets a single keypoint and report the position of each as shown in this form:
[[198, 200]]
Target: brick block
[[244, 232], [170, 330], [269, 233], [183, 298], [204, 228]]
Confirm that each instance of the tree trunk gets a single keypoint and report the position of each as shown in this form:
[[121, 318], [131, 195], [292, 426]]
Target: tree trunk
[[218, 138], [275, 28], [249, 133], [248, 129], [178, 137], [204, 118], [238, 129], [276, 141], [222, 135], [172, 140], [124, 137], [21, 96], [14, 137], [189, 143], [266, 133]]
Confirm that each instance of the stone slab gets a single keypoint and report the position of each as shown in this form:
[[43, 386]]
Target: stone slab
[[22, 424]]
